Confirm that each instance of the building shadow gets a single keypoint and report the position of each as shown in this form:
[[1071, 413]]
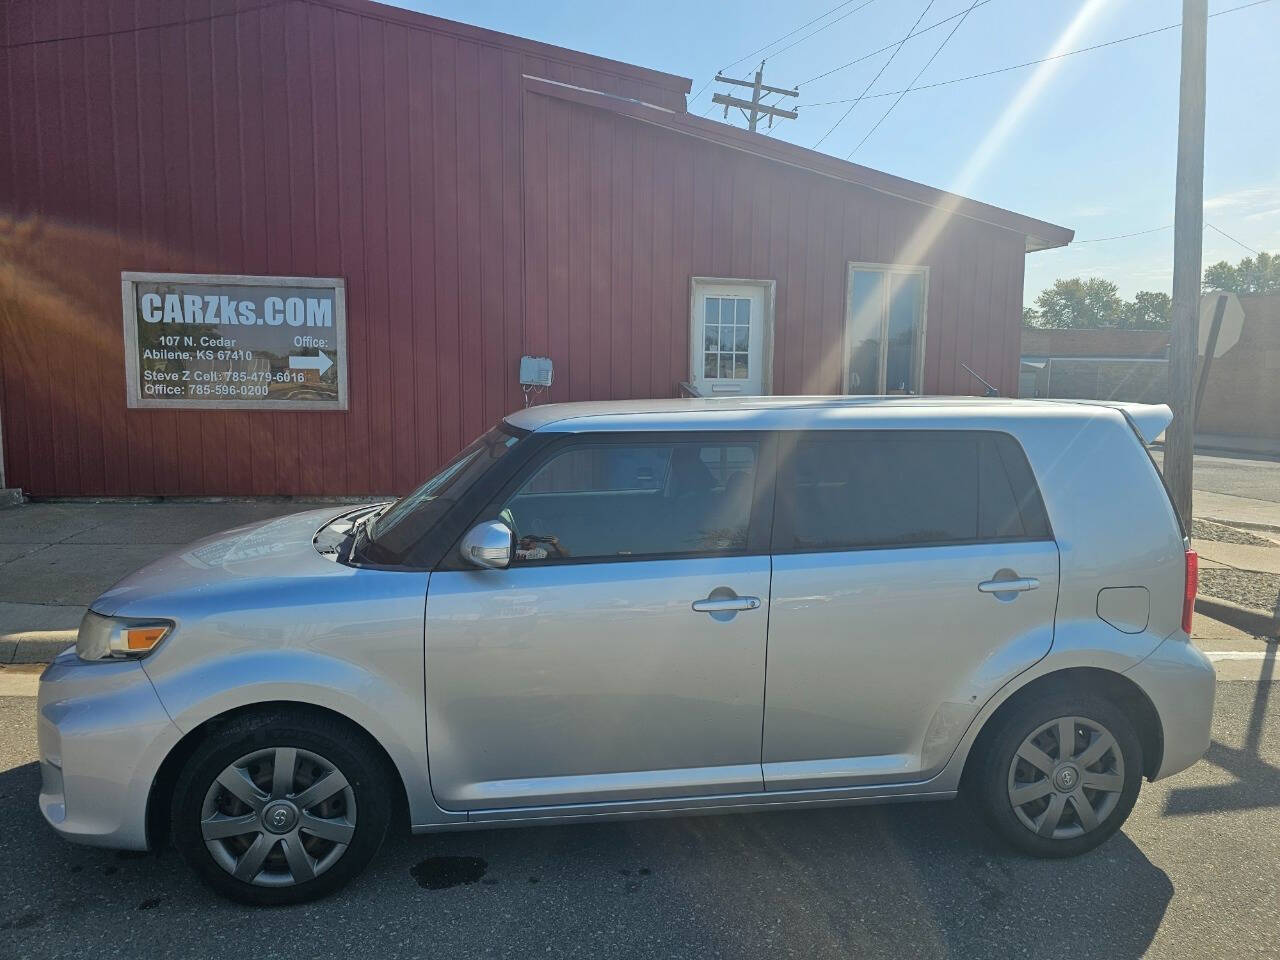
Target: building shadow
[[1257, 782]]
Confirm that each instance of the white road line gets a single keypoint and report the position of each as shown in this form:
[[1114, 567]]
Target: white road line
[[1239, 654]]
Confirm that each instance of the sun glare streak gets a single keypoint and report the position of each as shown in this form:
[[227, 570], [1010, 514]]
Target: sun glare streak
[[915, 250]]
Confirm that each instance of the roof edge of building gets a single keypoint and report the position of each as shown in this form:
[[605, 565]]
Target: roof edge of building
[[1039, 234], [537, 48]]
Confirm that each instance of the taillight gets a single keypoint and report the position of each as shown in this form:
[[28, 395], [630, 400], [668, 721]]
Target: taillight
[[1189, 592]]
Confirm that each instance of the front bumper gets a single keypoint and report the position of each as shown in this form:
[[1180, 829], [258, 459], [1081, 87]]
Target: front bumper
[[102, 734], [1180, 682]]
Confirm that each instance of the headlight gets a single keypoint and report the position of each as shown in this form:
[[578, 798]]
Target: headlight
[[118, 638]]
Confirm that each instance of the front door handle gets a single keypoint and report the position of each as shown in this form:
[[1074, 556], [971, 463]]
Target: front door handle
[[726, 604], [1017, 585]]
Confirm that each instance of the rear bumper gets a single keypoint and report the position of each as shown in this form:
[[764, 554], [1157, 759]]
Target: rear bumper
[[1180, 682], [102, 735]]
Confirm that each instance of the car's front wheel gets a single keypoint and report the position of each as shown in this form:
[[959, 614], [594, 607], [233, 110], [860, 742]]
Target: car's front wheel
[[1059, 775], [278, 808]]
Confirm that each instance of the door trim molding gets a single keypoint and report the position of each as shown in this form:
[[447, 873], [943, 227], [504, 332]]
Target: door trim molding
[[770, 289]]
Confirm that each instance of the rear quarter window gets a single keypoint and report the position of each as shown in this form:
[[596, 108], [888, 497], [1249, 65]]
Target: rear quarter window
[[900, 488]]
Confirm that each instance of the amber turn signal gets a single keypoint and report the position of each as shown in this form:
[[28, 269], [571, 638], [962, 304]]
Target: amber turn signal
[[143, 638]]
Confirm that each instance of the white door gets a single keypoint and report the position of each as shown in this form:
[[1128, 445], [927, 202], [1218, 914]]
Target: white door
[[727, 339]]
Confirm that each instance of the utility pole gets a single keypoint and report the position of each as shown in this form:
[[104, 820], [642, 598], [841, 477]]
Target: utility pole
[[754, 105], [1188, 238]]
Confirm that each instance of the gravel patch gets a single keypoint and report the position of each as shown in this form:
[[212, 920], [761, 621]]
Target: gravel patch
[[1246, 587], [1221, 533]]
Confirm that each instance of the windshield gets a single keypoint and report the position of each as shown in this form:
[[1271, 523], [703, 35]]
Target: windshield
[[401, 525]]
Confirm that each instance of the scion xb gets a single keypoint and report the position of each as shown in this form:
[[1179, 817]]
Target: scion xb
[[639, 608]]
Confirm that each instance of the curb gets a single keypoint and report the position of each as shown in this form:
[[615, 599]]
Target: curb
[[33, 649], [1246, 524], [1260, 623]]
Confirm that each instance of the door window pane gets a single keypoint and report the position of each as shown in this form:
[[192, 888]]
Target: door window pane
[[905, 306], [726, 332], [909, 488], [866, 303], [600, 501]]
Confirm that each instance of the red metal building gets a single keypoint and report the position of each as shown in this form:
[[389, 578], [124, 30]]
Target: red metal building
[[483, 197]]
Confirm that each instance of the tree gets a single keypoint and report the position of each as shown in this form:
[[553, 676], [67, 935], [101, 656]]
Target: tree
[[1148, 310], [1248, 277], [1079, 303], [1029, 317]]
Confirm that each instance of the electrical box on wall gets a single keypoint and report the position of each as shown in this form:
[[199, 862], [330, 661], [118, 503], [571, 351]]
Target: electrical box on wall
[[535, 372]]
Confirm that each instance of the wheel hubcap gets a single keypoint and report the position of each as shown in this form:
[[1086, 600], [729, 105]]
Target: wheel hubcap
[[1066, 778], [278, 817]]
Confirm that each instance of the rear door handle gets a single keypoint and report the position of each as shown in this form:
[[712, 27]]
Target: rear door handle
[[1017, 585], [726, 604]]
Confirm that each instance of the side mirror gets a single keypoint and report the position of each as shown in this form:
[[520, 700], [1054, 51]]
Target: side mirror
[[488, 544]]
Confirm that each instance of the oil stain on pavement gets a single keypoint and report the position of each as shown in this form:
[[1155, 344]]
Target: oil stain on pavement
[[440, 873]]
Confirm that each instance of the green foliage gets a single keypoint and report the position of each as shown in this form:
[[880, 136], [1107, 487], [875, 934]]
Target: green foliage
[[1248, 278], [1148, 310], [1078, 303]]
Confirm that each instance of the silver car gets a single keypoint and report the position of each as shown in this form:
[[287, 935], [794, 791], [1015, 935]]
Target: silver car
[[627, 609]]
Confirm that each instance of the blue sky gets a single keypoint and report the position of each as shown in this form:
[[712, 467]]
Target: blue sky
[[1088, 142]]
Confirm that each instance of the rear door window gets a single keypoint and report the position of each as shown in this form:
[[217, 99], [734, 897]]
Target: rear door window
[[852, 490]]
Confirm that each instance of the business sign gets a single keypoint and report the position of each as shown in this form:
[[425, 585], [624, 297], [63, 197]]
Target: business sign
[[235, 343]]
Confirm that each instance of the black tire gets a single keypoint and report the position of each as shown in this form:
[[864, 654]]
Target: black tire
[[345, 748], [989, 787]]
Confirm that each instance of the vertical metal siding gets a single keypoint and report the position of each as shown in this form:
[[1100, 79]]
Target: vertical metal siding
[[473, 221], [621, 214], [291, 138]]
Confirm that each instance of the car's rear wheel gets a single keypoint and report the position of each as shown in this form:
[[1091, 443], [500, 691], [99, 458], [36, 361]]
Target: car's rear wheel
[[1059, 775], [277, 808]]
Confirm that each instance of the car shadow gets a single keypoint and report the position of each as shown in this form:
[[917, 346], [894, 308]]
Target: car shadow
[[919, 880]]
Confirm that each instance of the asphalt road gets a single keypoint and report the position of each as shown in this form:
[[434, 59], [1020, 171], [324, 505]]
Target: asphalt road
[[1193, 874], [1255, 478]]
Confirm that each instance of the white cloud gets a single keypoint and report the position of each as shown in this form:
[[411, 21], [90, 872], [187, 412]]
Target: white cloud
[[1249, 203]]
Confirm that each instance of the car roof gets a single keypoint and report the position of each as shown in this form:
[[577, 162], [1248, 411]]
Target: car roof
[[815, 412]]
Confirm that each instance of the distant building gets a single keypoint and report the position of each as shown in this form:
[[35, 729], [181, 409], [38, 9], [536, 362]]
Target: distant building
[[1242, 398]]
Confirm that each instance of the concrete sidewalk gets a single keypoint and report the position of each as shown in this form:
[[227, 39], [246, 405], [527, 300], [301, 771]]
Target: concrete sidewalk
[[1237, 511], [55, 558]]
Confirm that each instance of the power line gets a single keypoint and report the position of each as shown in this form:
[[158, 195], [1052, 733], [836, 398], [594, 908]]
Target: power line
[[832, 23], [1122, 236], [1231, 238], [1167, 226], [1033, 63], [883, 66], [910, 36], [752, 54], [728, 67], [918, 75]]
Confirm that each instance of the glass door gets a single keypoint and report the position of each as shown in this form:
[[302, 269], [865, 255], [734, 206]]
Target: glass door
[[728, 339], [884, 329]]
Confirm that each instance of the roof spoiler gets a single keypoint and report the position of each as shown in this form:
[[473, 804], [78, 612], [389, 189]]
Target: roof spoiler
[[1149, 420]]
